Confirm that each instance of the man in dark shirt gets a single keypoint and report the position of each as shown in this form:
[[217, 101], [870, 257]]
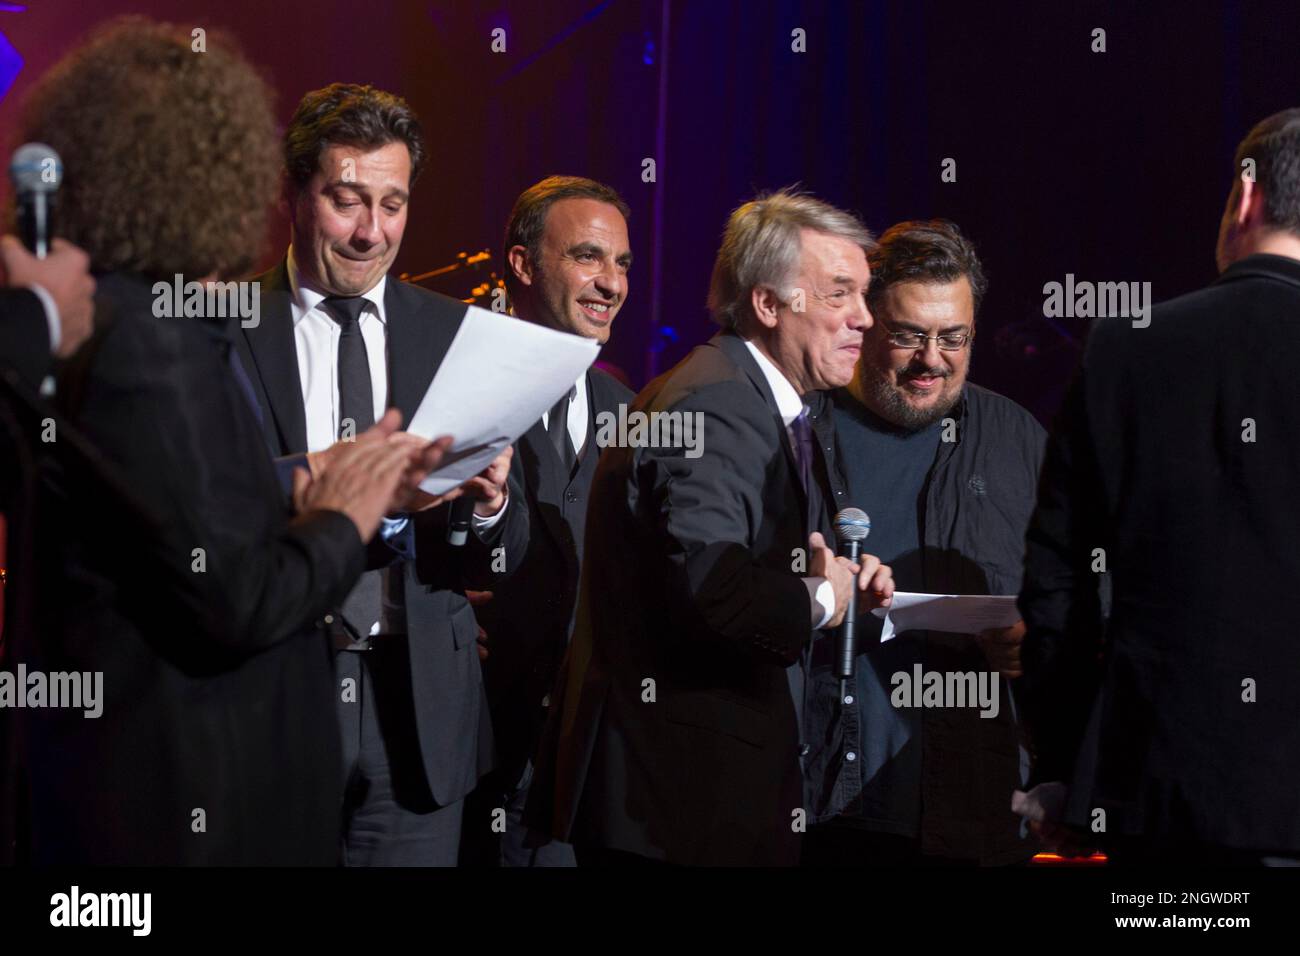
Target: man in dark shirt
[[946, 471]]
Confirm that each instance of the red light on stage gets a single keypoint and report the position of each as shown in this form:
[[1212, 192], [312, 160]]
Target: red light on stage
[[1055, 859]]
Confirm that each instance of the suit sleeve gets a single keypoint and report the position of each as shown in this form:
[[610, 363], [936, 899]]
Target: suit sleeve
[[163, 408], [709, 510], [1059, 598], [24, 335], [479, 564]]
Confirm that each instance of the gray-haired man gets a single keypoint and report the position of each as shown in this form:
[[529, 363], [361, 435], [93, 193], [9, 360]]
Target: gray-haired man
[[706, 573]]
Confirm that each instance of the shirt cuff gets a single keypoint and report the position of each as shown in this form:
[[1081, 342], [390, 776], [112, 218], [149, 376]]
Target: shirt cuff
[[483, 524], [399, 534], [51, 315], [821, 598]]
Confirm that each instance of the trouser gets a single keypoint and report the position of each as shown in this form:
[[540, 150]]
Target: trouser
[[389, 815]]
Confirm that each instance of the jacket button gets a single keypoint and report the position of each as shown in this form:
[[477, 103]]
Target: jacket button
[[850, 756], [328, 619]]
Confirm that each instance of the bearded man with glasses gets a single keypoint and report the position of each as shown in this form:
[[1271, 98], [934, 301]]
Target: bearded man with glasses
[[947, 472]]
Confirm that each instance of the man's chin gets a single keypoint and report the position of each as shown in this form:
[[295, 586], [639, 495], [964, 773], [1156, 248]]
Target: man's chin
[[902, 408], [348, 277]]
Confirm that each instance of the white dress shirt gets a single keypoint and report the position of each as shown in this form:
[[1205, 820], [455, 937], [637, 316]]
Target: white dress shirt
[[790, 406], [316, 336], [579, 413]]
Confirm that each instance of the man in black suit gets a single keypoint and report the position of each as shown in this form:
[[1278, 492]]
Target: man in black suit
[[1174, 465], [338, 342], [706, 570], [566, 262], [207, 739]]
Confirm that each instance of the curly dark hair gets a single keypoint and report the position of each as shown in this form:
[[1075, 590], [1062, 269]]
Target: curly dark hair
[[924, 251], [170, 156], [347, 114]]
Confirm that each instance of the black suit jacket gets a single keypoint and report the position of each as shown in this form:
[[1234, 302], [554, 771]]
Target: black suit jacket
[[1198, 528], [24, 334], [530, 617], [688, 582], [25, 352], [452, 719], [218, 736]]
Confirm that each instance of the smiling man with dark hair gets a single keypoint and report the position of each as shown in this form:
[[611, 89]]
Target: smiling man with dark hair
[[567, 258]]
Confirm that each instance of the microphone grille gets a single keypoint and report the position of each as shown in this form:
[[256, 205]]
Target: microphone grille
[[852, 524], [35, 167]]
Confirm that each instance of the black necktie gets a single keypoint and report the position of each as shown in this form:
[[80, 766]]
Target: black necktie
[[558, 428], [363, 607], [356, 397]]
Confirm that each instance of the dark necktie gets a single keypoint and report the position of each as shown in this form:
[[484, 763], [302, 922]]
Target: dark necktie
[[801, 429], [363, 607], [558, 428], [356, 397], [804, 453]]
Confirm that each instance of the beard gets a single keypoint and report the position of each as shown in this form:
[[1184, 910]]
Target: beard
[[890, 403]]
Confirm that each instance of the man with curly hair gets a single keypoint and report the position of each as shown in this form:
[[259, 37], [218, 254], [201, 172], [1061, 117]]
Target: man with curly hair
[[215, 739]]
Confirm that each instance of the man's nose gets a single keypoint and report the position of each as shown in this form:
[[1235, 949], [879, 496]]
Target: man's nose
[[929, 352], [367, 231], [612, 282], [861, 319]]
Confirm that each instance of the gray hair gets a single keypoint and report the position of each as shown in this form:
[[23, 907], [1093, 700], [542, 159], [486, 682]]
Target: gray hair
[[761, 246]]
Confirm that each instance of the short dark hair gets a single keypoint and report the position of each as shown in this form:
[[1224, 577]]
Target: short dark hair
[[347, 114], [924, 251], [1274, 145], [170, 156], [528, 217]]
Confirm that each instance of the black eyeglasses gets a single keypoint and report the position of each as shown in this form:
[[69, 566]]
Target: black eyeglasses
[[948, 342]]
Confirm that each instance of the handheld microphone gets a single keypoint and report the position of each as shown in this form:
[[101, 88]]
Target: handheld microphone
[[36, 172], [851, 528], [462, 513]]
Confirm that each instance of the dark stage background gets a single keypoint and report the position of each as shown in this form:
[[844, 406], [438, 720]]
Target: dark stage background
[[1112, 166]]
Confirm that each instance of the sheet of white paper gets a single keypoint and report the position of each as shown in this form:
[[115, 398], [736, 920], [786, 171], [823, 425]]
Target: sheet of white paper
[[959, 613], [497, 378]]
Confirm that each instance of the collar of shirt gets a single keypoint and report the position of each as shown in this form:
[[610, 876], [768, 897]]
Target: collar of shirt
[[788, 402], [307, 297], [578, 414]]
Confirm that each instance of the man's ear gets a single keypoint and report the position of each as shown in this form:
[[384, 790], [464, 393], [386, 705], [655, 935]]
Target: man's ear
[[520, 264], [766, 304], [1250, 207]]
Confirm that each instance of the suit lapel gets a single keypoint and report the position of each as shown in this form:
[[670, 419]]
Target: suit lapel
[[418, 338], [275, 357], [736, 349]]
